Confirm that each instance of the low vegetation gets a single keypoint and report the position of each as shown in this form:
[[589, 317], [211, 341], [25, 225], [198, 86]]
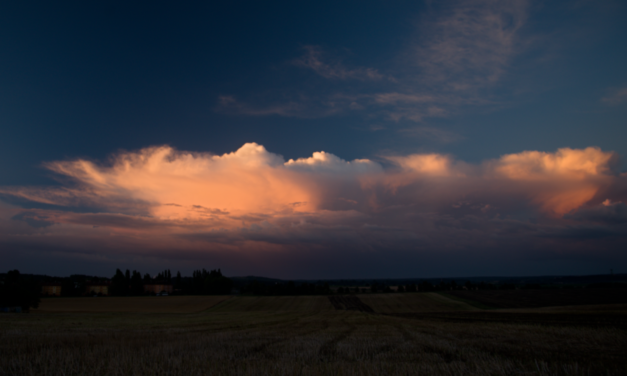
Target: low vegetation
[[310, 335]]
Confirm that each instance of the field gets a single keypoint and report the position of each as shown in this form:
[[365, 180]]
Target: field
[[405, 334], [152, 304], [544, 297]]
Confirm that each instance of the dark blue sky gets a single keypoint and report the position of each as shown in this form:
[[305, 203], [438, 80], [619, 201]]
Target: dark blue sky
[[85, 79], [360, 80]]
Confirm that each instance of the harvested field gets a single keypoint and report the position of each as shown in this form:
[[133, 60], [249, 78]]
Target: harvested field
[[412, 302], [349, 303], [532, 317], [276, 304], [143, 304], [543, 298], [272, 341]]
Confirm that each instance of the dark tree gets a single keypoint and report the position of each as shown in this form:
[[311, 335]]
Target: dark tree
[[18, 291], [217, 284], [178, 283], [137, 284], [119, 285]]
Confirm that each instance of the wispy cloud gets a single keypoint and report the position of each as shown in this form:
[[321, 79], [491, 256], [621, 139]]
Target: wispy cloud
[[313, 59], [470, 43], [461, 51], [458, 53], [616, 96]]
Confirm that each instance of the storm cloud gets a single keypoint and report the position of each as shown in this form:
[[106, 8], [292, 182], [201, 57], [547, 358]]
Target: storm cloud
[[252, 203]]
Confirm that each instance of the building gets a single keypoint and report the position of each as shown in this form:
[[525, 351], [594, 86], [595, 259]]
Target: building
[[97, 288], [157, 288], [51, 289]]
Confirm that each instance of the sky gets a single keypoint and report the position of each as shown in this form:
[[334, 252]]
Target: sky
[[305, 140]]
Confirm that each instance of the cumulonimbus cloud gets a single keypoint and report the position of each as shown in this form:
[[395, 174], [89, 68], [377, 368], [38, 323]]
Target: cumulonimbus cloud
[[161, 196]]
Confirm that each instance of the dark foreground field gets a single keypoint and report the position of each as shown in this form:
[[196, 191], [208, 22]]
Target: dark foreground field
[[544, 297], [398, 334]]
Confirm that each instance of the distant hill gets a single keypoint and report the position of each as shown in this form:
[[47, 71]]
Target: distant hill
[[251, 278], [519, 280]]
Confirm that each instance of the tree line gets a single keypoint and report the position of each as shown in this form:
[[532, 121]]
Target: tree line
[[21, 291], [202, 282], [425, 286], [285, 288]]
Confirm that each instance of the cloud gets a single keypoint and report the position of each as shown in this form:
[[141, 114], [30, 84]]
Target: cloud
[[425, 164], [164, 183], [616, 96], [454, 59], [252, 202], [470, 43], [326, 162], [312, 59], [607, 212]]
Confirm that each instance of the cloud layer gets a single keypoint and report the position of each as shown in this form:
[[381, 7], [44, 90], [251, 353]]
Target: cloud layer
[[251, 203]]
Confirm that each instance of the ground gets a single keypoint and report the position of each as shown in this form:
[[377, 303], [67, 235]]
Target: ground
[[399, 334]]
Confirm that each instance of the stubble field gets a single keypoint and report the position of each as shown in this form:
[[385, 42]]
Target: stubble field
[[407, 334], [544, 297], [136, 304]]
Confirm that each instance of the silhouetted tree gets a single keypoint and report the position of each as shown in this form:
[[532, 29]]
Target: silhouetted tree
[[119, 285], [137, 284], [18, 291], [217, 284], [426, 286], [178, 283]]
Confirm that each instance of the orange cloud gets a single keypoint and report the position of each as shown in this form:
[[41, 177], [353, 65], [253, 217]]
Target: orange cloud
[[165, 192], [566, 163], [427, 164], [564, 180], [179, 185]]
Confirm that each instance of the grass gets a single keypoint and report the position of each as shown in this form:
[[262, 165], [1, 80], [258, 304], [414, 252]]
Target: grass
[[307, 336]]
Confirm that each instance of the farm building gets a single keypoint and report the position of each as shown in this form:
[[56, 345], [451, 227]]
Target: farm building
[[157, 288], [51, 289], [100, 288]]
